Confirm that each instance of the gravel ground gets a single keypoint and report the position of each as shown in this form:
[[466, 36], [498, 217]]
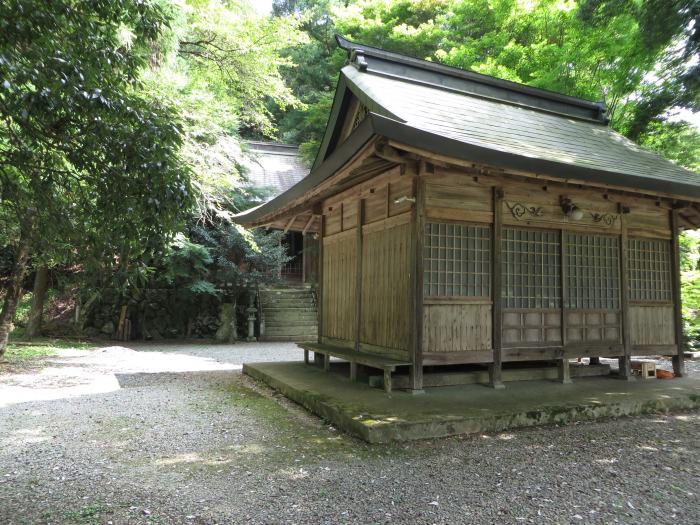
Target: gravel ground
[[167, 434]]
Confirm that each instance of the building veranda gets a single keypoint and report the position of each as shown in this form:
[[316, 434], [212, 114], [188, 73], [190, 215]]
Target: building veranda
[[467, 220]]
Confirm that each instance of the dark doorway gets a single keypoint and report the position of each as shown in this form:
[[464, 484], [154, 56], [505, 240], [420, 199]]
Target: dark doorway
[[294, 268]]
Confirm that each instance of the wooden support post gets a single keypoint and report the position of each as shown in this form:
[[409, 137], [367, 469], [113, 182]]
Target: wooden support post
[[353, 371], [319, 288], [326, 362], [306, 356], [564, 371], [563, 363], [416, 287], [678, 359], [495, 369], [625, 361], [358, 275], [387, 380]]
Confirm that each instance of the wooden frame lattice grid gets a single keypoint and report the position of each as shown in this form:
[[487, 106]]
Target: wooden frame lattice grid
[[650, 270], [456, 260], [593, 271], [530, 269], [359, 116]]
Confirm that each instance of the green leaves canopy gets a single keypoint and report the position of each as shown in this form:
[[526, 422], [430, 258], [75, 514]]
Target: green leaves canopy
[[87, 161]]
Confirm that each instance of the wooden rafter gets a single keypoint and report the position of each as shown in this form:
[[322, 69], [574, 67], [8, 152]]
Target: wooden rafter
[[308, 224], [289, 224]]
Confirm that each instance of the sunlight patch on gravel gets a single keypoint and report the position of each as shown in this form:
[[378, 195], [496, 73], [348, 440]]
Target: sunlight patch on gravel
[[74, 373]]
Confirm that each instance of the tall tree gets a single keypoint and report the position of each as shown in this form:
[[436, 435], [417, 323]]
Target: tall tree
[[88, 162]]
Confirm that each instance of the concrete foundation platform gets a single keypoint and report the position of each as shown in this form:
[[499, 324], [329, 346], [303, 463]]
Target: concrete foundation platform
[[376, 417]]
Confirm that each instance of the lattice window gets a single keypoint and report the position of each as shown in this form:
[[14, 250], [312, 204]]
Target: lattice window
[[649, 270], [456, 260], [530, 266], [360, 115], [593, 271]]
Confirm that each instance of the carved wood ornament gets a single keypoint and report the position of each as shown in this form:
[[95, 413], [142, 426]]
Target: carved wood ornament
[[523, 211], [530, 212]]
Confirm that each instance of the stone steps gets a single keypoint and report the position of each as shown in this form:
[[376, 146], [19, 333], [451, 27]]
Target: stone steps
[[275, 322], [290, 338], [282, 331], [290, 314], [289, 305]]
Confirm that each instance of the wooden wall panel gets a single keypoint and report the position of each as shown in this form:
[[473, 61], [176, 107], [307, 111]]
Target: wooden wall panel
[[401, 187], [386, 266], [456, 327], [593, 326], [531, 327], [376, 205], [339, 269], [649, 222], [333, 218], [457, 198], [349, 214], [652, 325]]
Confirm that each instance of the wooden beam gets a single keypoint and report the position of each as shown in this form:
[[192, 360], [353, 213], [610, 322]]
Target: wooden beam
[[416, 372], [386, 152], [451, 161], [625, 361], [495, 368], [308, 224], [289, 224], [678, 359]]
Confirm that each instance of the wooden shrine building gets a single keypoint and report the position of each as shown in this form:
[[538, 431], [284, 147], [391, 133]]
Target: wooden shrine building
[[470, 220]]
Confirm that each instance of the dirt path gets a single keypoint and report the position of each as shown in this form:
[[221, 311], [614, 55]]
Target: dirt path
[[174, 434]]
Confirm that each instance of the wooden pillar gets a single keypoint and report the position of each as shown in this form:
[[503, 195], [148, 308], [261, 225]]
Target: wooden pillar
[[679, 358], [495, 369], [625, 361], [563, 364], [358, 274], [318, 358], [418, 222], [303, 258]]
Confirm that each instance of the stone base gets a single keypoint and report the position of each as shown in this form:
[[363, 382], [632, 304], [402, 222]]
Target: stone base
[[376, 417]]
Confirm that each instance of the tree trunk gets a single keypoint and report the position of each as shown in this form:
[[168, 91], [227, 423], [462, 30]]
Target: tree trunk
[[41, 284], [13, 293]]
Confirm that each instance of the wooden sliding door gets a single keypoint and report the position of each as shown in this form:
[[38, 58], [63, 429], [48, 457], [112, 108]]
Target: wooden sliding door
[[592, 311], [531, 287]]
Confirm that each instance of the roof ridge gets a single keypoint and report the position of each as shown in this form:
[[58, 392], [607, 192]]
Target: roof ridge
[[358, 52]]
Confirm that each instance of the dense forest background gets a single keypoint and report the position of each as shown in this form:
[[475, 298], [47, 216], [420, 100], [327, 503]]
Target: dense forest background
[[122, 129]]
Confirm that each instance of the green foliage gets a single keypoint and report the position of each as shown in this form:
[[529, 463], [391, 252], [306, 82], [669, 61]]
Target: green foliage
[[221, 66], [186, 263], [25, 304], [690, 285], [20, 354], [677, 141], [89, 164]]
